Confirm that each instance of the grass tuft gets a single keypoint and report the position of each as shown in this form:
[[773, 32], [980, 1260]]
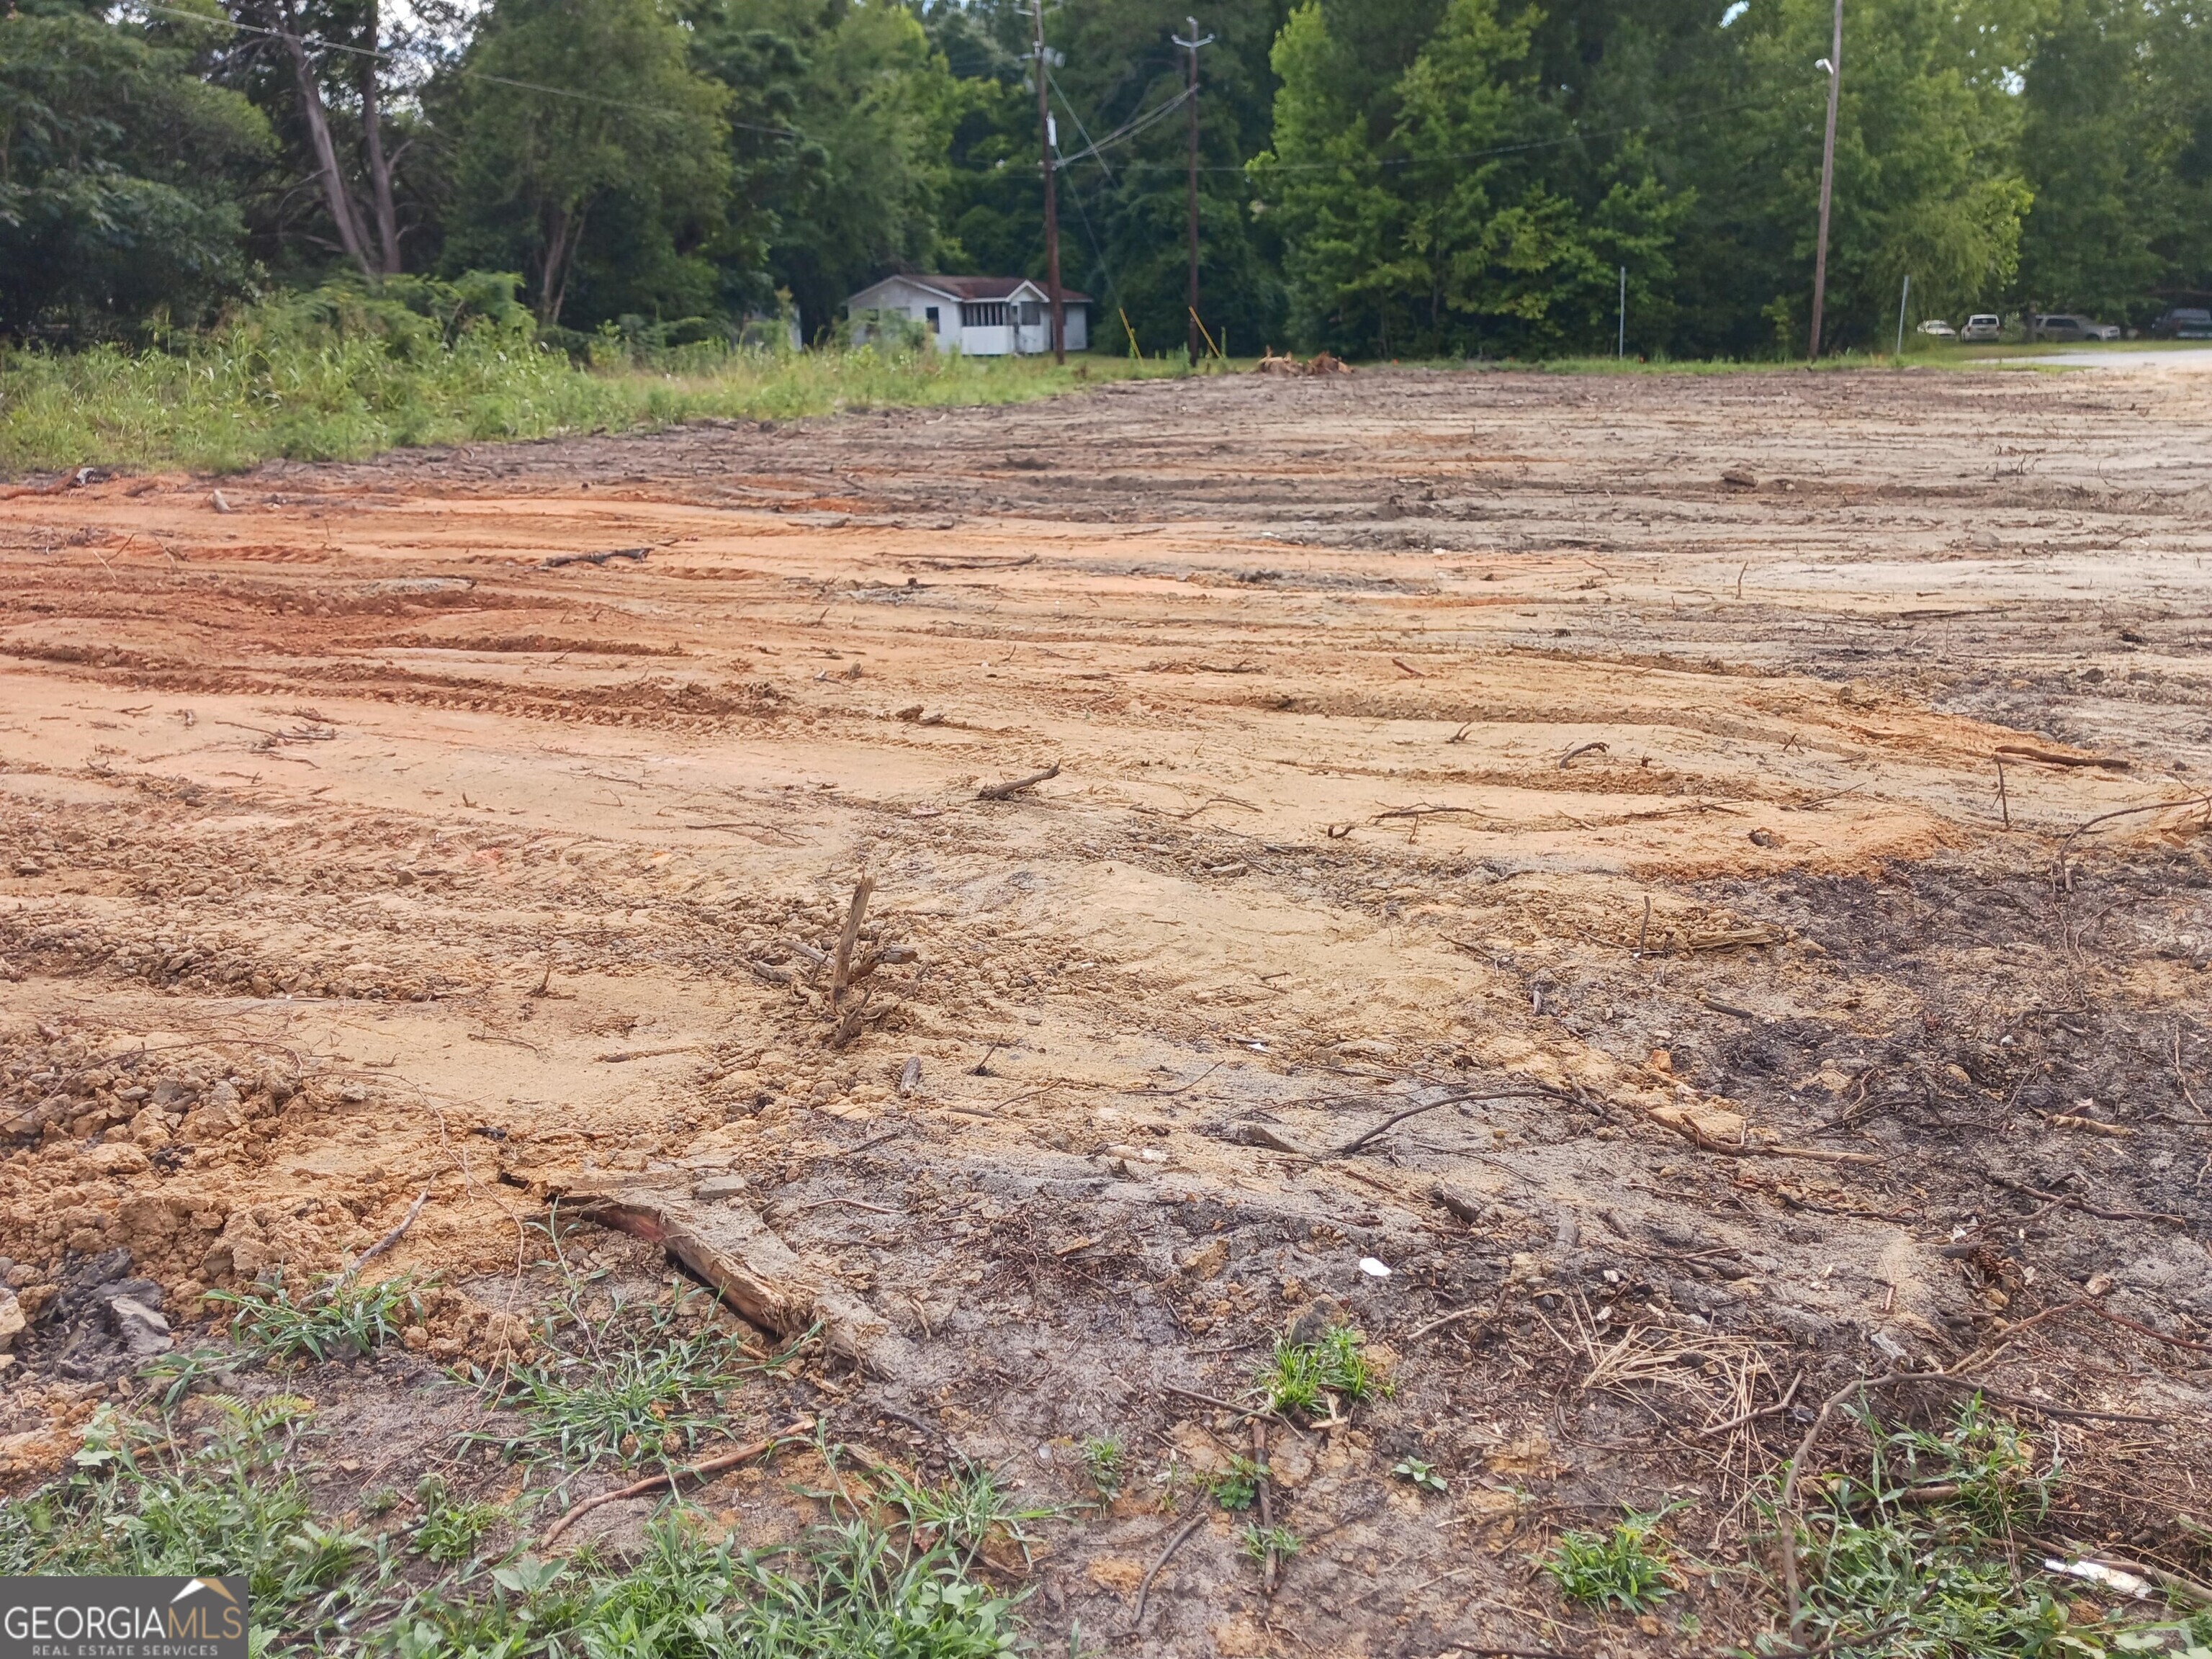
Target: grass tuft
[[1303, 1376], [629, 1385], [964, 1513], [1107, 1462], [1625, 1567], [340, 1318]]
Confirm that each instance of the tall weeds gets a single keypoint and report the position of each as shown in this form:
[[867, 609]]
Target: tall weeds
[[340, 374]]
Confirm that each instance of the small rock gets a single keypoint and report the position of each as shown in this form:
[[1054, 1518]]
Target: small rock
[[1316, 1321], [715, 1189], [144, 1331], [1207, 1259], [1373, 1269], [118, 1158], [1739, 477], [12, 1320], [910, 1077]]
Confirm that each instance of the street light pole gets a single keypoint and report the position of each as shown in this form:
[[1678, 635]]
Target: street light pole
[[1834, 63]]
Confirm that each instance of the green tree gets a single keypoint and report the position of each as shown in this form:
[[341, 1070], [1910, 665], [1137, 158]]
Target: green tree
[[620, 171], [1927, 178], [121, 173], [1455, 210], [2117, 148], [841, 165]]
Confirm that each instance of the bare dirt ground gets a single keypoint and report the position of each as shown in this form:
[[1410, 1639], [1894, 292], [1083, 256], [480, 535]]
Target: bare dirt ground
[[1760, 817]]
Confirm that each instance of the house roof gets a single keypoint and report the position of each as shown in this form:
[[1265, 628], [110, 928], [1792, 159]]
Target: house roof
[[976, 287]]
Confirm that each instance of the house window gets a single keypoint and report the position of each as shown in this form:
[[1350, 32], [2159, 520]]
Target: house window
[[1032, 313], [929, 316], [983, 314]]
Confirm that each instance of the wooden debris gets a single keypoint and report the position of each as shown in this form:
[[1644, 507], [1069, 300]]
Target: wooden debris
[[2052, 757], [556, 560], [1583, 749], [729, 1248], [1253, 1133], [2094, 1126], [840, 961], [1014, 787], [1465, 1207], [391, 1238], [669, 1477], [1174, 1543]]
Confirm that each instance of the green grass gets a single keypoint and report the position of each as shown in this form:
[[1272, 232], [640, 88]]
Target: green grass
[[339, 1318], [229, 1500], [142, 1499], [964, 1513], [452, 1526], [1625, 1567], [1303, 1376], [1887, 1573], [631, 1384], [1106, 1460], [337, 376]]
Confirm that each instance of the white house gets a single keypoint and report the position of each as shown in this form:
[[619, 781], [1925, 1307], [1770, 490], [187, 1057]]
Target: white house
[[982, 316]]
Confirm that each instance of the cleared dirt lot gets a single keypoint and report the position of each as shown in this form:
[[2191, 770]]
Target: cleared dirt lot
[[1696, 792]]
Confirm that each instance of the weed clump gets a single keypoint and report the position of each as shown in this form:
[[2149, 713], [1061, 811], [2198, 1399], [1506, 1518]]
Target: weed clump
[[1303, 1376], [1106, 1460], [339, 1318], [230, 1500], [1625, 1567], [627, 1385]]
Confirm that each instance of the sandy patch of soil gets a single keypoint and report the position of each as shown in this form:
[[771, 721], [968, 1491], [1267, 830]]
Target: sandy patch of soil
[[1671, 783]]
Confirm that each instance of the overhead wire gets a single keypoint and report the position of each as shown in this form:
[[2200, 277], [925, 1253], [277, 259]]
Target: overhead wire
[[454, 69], [1575, 136]]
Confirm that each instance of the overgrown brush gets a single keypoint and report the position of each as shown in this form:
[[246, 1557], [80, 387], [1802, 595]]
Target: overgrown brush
[[343, 374], [1933, 1553]]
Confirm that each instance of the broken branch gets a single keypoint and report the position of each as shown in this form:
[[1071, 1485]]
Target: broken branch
[[1015, 786], [669, 1477]]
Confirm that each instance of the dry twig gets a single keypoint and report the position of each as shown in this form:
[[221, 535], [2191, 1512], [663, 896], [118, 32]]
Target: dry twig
[[669, 1477]]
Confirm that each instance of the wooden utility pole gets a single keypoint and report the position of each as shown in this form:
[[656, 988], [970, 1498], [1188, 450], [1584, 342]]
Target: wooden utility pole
[[1058, 313], [1835, 62], [1190, 94]]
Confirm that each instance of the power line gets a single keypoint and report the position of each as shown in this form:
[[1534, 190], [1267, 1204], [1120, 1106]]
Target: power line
[[458, 69], [1576, 136], [1128, 129]]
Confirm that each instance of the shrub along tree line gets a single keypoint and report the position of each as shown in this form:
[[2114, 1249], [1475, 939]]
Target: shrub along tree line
[[1381, 177]]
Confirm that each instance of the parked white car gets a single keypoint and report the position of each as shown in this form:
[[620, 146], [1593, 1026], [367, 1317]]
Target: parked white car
[[1984, 326], [1936, 329]]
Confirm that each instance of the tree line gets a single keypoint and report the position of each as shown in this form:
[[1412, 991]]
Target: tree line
[[1381, 177]]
